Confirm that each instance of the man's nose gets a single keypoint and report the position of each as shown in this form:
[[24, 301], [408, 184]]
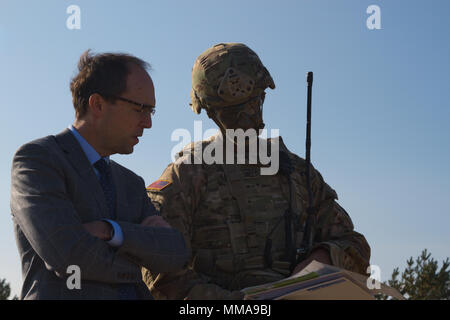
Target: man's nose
[[147, 121]]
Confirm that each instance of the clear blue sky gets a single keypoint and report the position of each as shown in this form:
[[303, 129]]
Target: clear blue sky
[[381, 112]]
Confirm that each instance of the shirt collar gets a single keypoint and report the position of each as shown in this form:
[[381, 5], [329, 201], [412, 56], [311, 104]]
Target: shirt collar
[[90, 152]]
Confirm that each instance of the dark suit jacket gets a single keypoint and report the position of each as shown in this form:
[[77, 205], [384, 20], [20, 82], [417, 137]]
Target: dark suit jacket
[[54, 190]]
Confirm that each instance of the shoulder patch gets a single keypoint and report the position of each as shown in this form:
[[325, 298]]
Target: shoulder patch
[[158, 185]]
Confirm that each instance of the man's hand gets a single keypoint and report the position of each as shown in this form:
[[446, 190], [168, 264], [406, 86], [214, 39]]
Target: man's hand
[[320, 254], [100, 229], [155, 221]]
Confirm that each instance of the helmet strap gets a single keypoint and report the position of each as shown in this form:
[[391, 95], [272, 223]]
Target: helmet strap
[[213, 116]]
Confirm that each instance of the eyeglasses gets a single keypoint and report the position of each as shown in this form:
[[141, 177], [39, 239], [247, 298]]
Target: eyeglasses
[[146, 109]]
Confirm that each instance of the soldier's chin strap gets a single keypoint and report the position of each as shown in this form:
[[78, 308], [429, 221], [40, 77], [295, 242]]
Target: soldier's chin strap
[[212, 113]]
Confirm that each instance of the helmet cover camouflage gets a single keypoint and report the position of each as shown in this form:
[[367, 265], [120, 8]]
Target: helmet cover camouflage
[[227, 74]]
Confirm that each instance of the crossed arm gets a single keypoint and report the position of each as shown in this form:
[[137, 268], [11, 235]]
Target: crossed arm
[[42, 207], [103, 230]]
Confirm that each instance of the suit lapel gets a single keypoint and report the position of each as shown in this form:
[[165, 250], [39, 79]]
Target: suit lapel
[[81, 164]]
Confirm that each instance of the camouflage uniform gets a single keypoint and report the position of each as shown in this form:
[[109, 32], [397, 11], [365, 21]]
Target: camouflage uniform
[[235, 224]]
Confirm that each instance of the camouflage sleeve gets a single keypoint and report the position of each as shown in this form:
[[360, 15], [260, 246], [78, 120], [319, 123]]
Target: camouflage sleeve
[[177, 201], [334, 229]]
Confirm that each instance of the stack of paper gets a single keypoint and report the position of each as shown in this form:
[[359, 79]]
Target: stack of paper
[[318, 281]]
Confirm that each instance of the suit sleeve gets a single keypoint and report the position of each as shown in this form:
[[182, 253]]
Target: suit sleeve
[[335, 231], [43, 210], [156, 248]]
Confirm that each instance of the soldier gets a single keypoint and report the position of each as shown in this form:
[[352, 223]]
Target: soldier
[[243, 228]]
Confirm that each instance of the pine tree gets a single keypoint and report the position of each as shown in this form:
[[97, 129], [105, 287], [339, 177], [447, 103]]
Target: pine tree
[[5, 290], [422, 281]]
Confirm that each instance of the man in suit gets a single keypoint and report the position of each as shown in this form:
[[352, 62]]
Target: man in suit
[[73, 206]]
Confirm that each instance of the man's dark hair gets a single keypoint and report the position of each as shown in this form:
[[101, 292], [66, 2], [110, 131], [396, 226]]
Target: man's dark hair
[[105, 74]]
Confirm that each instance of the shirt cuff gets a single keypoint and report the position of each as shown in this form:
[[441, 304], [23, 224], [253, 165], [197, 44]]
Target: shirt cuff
[[117, 238]]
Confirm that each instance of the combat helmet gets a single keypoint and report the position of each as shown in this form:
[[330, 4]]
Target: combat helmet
[[227, 74]]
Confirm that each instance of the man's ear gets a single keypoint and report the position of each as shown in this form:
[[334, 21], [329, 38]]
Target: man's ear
[[96, 104]]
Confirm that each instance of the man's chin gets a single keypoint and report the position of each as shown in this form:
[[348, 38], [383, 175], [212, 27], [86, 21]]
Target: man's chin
[[126, 151]]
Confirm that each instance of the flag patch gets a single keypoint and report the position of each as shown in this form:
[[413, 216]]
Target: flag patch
[[158, 185]]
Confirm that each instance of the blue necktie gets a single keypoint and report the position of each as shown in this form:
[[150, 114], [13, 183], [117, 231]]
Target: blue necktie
[[107, 184], [127, 291]]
